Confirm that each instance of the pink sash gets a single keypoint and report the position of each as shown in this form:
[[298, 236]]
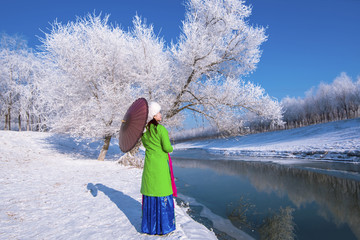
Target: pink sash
[[172, 177]]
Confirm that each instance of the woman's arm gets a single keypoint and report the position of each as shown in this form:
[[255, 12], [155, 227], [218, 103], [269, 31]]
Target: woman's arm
[[165, 141]]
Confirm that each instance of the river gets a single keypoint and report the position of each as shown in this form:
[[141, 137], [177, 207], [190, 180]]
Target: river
[[270, 198]]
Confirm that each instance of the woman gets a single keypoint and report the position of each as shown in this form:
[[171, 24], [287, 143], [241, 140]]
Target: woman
[[158, 215]]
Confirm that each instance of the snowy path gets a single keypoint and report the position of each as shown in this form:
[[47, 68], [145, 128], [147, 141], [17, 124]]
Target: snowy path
[[45, 194]]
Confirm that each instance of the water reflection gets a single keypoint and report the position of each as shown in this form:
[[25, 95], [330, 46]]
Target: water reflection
[[337, 195], [279, 226]]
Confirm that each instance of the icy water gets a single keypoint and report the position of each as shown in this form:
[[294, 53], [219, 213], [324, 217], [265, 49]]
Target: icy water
[[270, 199]]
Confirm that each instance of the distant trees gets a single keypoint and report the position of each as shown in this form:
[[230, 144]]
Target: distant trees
[[328, 102], [19, 72], [195, 133]]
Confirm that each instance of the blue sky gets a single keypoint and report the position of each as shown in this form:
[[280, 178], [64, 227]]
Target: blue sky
[[310, 41]]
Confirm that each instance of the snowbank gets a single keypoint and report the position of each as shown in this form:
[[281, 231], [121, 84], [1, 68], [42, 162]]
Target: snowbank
[[329, 141], [52, 188]]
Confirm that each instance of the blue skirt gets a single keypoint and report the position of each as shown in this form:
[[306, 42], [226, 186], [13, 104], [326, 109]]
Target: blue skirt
[[158, 216]]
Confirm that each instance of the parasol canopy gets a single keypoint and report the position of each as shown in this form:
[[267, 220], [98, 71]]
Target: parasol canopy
[[133, 124]]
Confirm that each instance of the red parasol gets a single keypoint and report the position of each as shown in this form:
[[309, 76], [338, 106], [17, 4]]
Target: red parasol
[[133, 124]]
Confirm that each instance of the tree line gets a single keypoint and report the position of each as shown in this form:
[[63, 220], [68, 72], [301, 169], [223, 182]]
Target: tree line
[[338, 100], [20, 72], [326, 102]]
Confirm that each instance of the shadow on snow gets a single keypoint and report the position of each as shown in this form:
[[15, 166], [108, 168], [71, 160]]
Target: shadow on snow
[[129, 206], [83, 147]]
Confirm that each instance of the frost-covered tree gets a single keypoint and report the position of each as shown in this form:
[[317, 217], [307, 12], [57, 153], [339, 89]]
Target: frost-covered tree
[[328, 102], [357, 93], [11, 54], [345, 95], [324, 101], [293, 110], [217, 47], [104, 69], [18, 67], [152, 67], [38, 95]]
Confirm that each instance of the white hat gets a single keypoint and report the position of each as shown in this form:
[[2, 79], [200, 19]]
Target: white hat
[[154, 108]]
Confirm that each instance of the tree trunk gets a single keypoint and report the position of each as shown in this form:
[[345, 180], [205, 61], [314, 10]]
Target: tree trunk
[[136, 148], [131, 158], [19, 118], [27, 121], [104, 148], [39, 128], [31, 123], [6, 122], [9, 118]]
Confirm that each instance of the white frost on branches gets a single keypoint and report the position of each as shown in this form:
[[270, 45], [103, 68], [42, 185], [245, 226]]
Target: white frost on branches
[[92, 57], [20, 72], [93, 70], [216, 48], [105, 70], [328, 102]]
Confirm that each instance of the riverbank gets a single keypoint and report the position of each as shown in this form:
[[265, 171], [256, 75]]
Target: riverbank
[[334, 141], [53, 188]]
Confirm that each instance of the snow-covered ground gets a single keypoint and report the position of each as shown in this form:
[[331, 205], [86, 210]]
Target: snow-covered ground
[[329, 141], [52, 188]]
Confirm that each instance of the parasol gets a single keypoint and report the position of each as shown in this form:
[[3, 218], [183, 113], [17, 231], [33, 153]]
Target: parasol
[[133, 124]]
